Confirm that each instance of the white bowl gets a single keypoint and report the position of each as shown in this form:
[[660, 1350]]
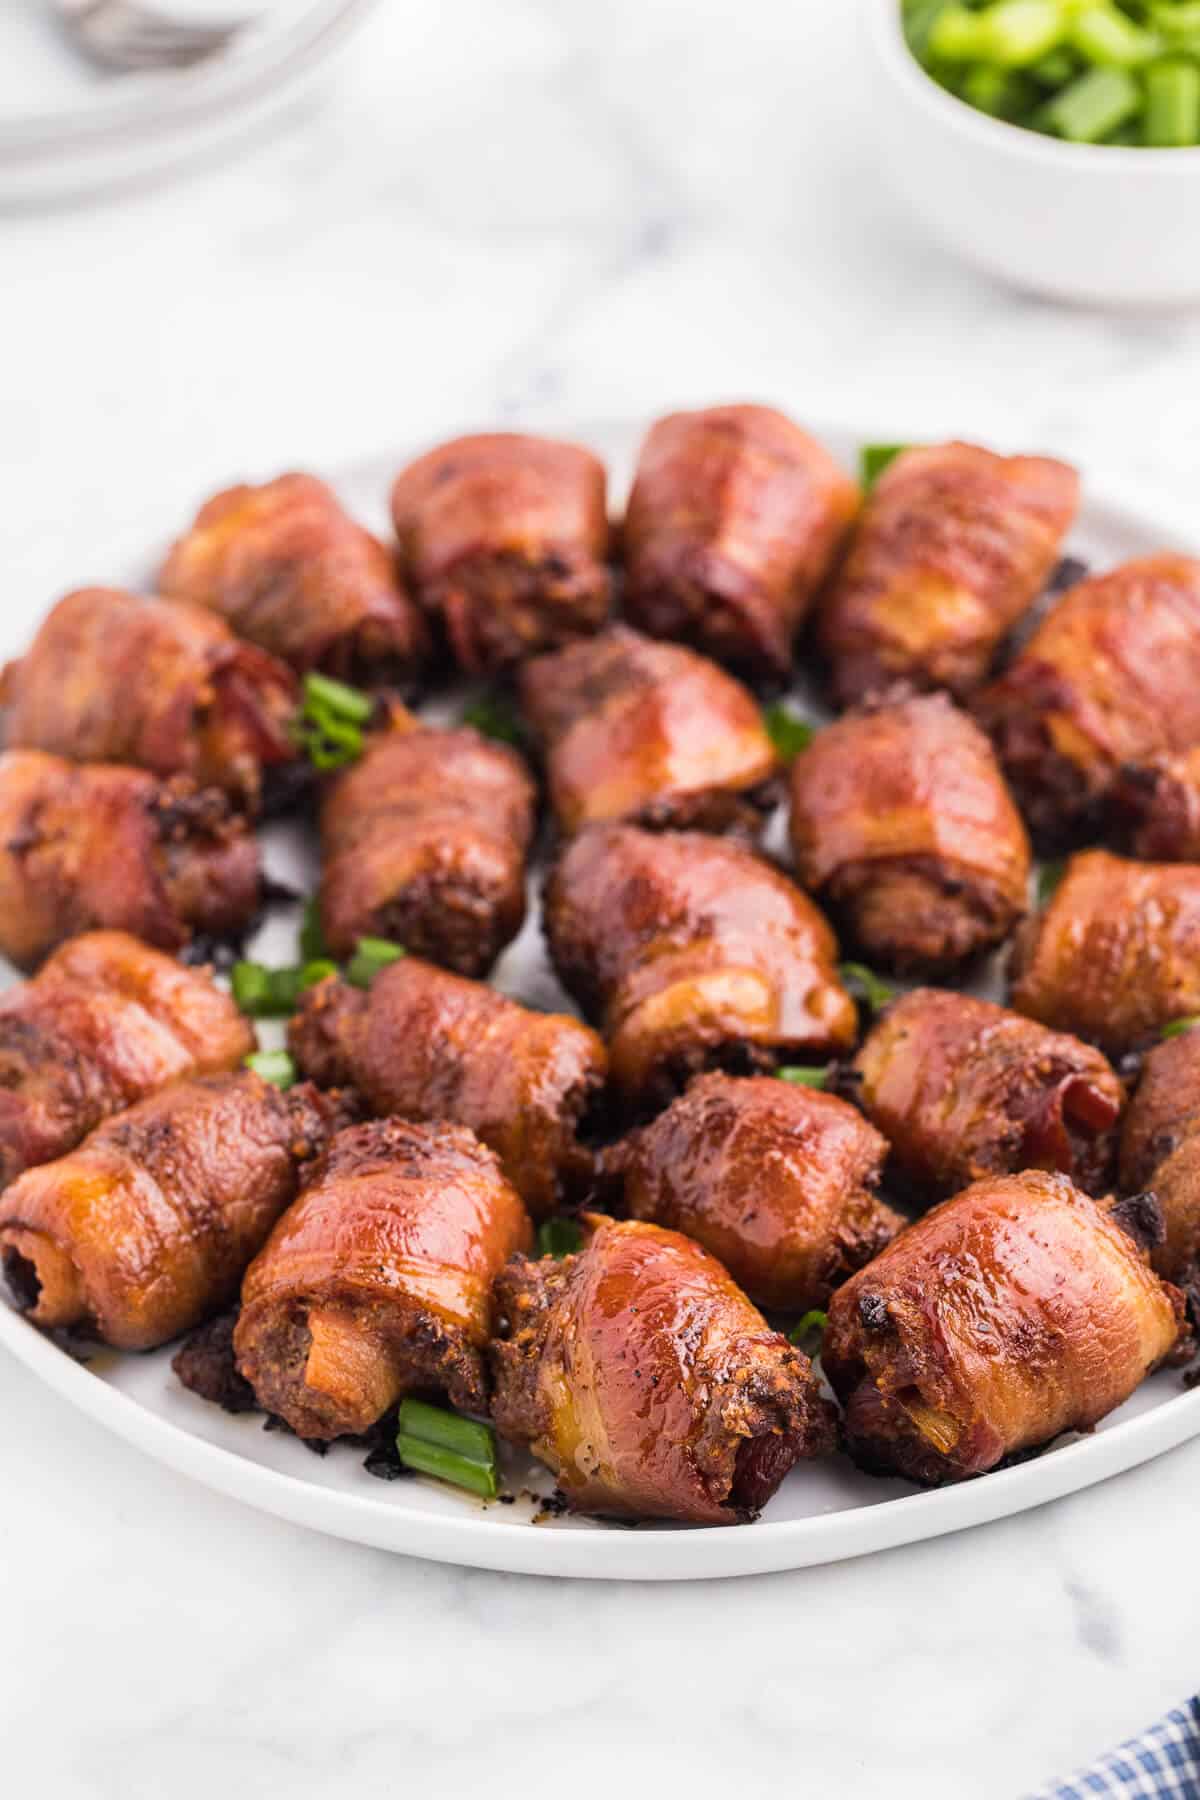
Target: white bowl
[[1089, 224]]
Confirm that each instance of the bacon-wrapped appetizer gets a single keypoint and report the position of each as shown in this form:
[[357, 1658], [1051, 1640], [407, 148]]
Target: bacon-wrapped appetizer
[[649, 732], [1115, 955], [424, 843], [777, 1181], [943, 1374], [147, 1227], [95, 844], [290, 570], [1156, 807], [901, 823], [692, 953], [377, 1282], [1160, 1151], [1111, 677], [427, 1045], [735, 518], [955, 544], [963, 1089], [505, 541], [114, 677], [647, 1381], [106, 1023]]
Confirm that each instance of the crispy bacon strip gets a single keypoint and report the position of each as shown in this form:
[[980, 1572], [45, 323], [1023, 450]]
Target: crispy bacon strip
[[1160, 1151]]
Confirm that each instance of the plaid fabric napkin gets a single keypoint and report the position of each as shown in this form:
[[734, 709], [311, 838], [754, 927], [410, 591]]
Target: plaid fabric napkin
[[1163, 1764]]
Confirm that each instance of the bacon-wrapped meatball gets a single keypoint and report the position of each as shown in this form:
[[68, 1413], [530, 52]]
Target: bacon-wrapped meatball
[[901, 823], [1160, 1151], [692, 953], [955, 544], [106, 1023], [649, 732], [290, 570], [964, 1089], [1014, 1312], [505, 540], [94, 844], [735, 517], [1115, 955], [377, 1282], [424, 843], [427, 1045], [114, 677], [1156, 807], [648, 1382], [1111, 677], [146, 1228], [777, 1181]]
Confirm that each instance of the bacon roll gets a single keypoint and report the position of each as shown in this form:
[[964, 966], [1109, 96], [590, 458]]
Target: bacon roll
[[1115, 955], [1110, 678], [1160, 1151], [505, 541], [164, 685], [1156, 807], [645, 1379], [942, 1376], [147, 1226], [650, 732], [291, 571], [95, 844], [428, 1045], [901, 824], [778, 1182], [955, 544], [735, 518], [691, 953], [424, 842], [107, 1022], [377, 1282], [963, 1089]]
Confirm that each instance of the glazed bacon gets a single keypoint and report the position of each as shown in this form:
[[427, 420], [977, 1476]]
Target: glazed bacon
[[645, 1379], [963, 1089], [691, 953], [1160, 1151], [94, 844], [1115, 955], [901, 824], [291, 571], [955, 544], [505, 541], [377, 1282], [164, 685], [649, 732], [776, 1181], [427, 1045], [1156, 807], [1110, 678], [107, 1022], [1056, 1321], [424, 843], [147, 1227], [735, 518]]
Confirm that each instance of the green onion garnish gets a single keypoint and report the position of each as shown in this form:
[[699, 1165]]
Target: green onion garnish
[[437, 1442], [1049, 880], [1088, 109], [330, 726], [371, 957], [493, 716], [1177, 1027], [559, 1237], [871, 987], [811, 1078], [875, 458], [811, 1325], [313, 947], [263, 993], [275, 1066], [1172, 120], [787, 733]]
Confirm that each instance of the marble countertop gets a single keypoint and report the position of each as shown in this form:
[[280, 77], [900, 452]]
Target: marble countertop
[[536, 211]]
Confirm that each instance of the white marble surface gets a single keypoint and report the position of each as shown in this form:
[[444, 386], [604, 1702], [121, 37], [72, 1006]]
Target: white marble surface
[[533, 210]]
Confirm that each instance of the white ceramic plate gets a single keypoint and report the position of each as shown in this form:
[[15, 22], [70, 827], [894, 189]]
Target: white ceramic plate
[[823, 1512]]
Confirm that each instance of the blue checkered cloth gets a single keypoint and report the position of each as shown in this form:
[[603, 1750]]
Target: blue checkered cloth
[[1164, 1764]]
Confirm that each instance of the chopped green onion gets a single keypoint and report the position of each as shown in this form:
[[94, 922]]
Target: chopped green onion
[[437, 1442], [559, 1238], [812, 1078], [1002, 93], [313, 947], [371, 957], [263, 993], [811, 1325], [1177, 1027], [787, 733], [1049, 880], [1055, 70], [1105, 37], [275, 1066], [1010, 34], [875, 458], [1172, 118], [338, 699], [493, 716], [1094, 105], [330, 726], [874, 989], [251, 985]]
